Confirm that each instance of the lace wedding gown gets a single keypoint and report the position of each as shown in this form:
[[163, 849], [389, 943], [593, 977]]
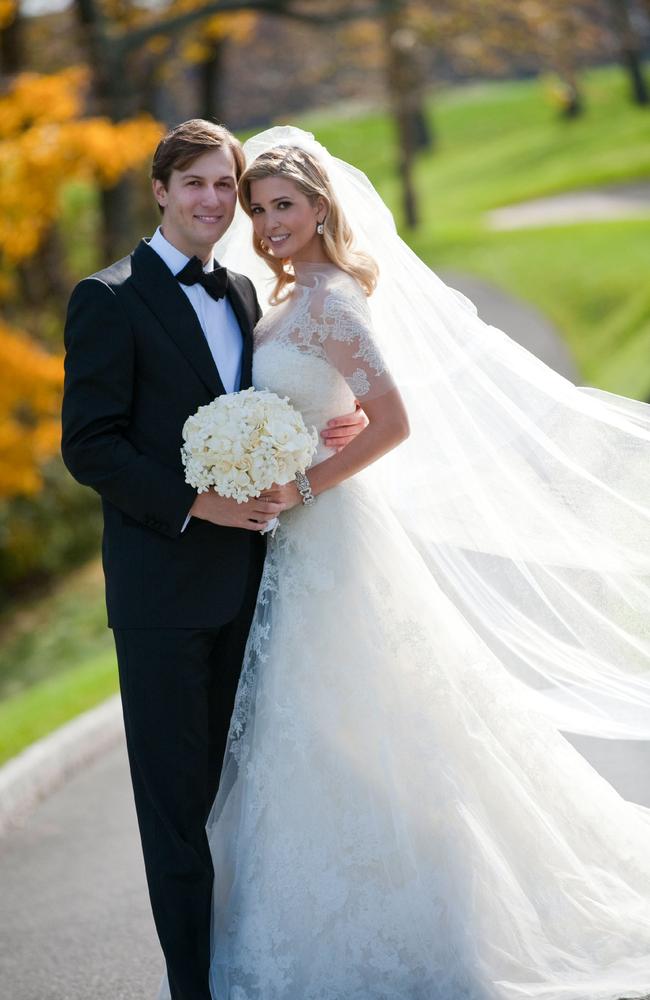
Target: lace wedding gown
[[395, 820]]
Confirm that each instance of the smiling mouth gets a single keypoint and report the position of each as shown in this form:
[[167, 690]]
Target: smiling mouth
[[279, 239], [208, 218]]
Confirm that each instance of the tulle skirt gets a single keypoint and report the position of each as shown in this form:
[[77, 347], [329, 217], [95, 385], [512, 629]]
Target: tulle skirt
[[396, 820]]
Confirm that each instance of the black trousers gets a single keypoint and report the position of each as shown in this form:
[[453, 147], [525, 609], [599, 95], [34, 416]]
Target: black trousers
[[178, 688]]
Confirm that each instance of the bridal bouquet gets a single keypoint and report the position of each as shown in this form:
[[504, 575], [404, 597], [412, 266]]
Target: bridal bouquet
[[243, 442]]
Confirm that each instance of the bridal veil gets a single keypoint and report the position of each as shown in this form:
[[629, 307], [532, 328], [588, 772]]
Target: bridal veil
[[527, 497]]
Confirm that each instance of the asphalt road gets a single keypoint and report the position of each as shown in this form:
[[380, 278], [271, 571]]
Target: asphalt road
[[75, 922], [74, 914]]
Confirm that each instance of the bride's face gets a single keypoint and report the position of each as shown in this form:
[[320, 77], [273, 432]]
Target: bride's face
[[285, 219]]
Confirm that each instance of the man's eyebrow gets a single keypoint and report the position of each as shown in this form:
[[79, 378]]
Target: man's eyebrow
[[201, 177]]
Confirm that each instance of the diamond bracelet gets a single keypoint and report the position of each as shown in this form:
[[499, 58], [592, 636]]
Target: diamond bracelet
[[304, 488]]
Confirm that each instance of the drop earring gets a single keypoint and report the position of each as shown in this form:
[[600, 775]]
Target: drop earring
[[320, 228]]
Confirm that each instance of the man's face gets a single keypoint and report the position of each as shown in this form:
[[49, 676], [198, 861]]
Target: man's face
[[199, 202]]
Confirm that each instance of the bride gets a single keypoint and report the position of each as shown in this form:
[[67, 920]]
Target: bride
[[400, 816]]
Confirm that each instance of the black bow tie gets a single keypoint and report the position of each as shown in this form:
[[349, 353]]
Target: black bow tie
[[215, 282]]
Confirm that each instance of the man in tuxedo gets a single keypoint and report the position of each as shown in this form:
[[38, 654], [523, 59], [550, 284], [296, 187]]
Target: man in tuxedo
[[148, 340]]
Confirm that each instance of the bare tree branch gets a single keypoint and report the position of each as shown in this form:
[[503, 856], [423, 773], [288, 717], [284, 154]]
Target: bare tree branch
[[126, 41]]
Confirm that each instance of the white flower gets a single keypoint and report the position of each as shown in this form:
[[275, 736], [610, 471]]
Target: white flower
[[243, 442]]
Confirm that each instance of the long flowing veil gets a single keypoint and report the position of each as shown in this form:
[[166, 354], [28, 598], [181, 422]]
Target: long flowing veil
[[527, 497]]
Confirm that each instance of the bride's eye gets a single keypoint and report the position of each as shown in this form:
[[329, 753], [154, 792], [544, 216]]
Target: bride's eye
[[284, 204]]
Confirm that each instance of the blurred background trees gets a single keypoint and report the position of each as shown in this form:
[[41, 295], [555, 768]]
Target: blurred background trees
[[48, 144], [86, 87]]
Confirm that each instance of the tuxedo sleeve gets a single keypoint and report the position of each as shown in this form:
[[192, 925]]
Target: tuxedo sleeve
[[97, 398], [256, 304]]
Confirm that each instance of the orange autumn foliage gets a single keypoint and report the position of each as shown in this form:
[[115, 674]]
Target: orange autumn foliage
[[30, 391], [44, 143], [7, 11]]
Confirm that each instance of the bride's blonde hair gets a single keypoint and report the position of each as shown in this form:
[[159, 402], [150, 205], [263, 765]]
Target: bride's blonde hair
[[309, 176]]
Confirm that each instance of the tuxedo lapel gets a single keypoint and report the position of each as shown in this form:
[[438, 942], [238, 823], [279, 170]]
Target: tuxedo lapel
[[246, 326], [162, 293]]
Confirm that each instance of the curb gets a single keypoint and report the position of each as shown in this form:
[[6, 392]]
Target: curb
[[45, 765]]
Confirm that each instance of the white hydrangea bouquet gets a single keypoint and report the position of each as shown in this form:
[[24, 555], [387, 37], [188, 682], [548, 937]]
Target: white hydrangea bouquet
[[243, 442]]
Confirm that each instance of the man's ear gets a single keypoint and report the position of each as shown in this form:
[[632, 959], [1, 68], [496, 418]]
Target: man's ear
[[159, 192]]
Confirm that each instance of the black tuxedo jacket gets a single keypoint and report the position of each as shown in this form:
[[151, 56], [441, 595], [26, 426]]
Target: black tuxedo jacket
[[137, 365]]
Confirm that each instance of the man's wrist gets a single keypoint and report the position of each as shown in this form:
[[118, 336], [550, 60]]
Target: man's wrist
[[198, 508]]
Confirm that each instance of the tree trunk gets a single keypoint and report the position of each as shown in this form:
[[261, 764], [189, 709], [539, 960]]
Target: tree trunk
[[211, 83], [113, 95], [12, 54], [572, 103], [562, 47], [117, 212], [423, 135], [631, 50], [634, 64], [406, 106], [43, 277]]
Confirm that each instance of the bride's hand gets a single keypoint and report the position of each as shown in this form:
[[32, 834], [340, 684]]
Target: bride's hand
[[286, 496]]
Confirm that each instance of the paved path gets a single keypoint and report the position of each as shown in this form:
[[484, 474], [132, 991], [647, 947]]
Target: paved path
[[614, 201], [75, 922], [74, 919]]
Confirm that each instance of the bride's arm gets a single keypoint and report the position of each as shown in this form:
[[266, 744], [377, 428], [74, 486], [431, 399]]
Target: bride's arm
[[388, 426]]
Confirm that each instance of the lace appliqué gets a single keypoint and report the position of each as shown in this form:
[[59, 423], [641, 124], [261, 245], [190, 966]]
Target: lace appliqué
[[332, 321], [346, 320], [359, 383], [255, 655]]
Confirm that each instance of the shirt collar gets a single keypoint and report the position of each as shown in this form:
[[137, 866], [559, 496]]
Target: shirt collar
[[173, 258]]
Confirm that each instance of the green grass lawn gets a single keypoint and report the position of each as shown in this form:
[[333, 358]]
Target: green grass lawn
[[56, 659], [497, 143], [54, 633], [37, 710]]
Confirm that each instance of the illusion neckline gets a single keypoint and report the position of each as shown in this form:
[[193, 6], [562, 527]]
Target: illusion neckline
[[306, 272]]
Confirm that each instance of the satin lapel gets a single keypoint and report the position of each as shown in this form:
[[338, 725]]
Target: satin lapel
[[243, 318], [157, 286]]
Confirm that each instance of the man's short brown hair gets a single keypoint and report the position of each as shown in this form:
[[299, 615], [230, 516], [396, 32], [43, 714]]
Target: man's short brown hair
[[182, 145]]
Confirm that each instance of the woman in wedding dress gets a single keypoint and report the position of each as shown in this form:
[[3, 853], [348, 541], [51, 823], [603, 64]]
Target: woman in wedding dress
[[400, 816]]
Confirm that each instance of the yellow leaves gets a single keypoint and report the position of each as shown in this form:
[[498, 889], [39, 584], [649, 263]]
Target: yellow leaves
[[44, 143], [7, 11], [196, 51], [28, 372], [108, 150], [158, 44], [30, 391], [237, 27], [36, 99], [21, 452]]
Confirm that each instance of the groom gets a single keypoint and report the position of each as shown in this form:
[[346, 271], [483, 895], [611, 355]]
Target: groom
[[148, 340]]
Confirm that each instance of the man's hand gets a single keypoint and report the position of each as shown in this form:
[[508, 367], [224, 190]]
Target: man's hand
[[341, 430], [284, 497], [253, 515]]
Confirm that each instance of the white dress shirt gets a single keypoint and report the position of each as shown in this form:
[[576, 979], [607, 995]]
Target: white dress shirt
[[217, 319]]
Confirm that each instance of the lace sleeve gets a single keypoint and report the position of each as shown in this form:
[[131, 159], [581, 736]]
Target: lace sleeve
[[345, 331]]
